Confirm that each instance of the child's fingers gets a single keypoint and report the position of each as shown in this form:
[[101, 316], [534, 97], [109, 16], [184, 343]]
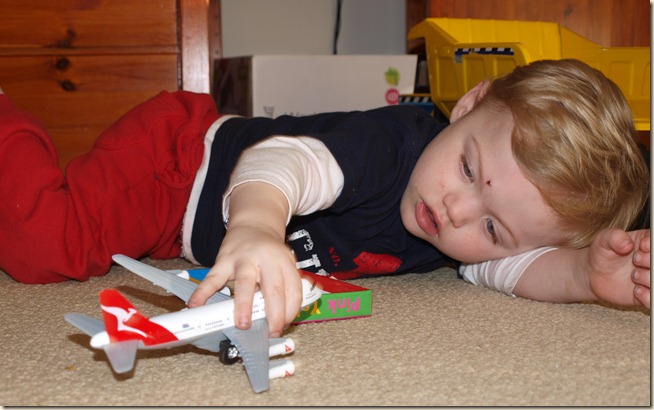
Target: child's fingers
[[275, 295], [615, 240], [612, 242], [642, 293], [642, 252], [213, 282], [645, 243], [293, 294], [245, 285], [642, 259], [283, 292], [641, 277]]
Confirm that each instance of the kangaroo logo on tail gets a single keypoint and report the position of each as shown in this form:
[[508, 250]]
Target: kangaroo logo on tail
[[124, 322]]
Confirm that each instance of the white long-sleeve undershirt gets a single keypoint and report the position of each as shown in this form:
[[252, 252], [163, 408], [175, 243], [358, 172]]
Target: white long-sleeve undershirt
[[501, 274], [302, 168]]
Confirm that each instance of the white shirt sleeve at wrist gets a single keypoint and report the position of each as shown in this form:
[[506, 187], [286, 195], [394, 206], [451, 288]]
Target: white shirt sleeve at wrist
[[501, 274]]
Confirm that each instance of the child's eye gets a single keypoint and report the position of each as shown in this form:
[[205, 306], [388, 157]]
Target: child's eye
[[490, 227], [466, 168]]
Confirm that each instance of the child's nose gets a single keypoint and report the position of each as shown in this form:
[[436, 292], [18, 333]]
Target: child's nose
[[462, 208]]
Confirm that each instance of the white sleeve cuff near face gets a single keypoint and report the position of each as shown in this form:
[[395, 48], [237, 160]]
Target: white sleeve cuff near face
[[302, 168], [501, 274]]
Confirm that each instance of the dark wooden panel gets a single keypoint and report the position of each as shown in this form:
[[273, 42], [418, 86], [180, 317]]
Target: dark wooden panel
[[611, 23], [87, 23], [416, 11], [194, 42]]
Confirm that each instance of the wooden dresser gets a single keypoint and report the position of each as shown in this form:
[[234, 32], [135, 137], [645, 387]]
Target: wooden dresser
[[78, 65]]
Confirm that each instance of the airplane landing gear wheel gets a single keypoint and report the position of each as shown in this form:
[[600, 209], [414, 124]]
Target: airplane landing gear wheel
[[228, 353]]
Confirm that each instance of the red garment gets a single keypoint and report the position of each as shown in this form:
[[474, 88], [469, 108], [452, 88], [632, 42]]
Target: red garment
[[127, 195]]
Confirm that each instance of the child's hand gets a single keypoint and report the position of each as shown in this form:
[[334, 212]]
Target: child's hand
[[618, 267], [251, 256], [254, 252]]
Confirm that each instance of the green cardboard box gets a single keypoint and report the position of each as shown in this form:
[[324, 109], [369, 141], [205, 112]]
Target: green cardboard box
[[340, 300]]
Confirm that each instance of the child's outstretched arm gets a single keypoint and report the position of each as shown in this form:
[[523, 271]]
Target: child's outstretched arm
[[615, 269], [274, 180]]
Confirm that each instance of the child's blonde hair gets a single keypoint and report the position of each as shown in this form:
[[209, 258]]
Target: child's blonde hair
[[574, 138]]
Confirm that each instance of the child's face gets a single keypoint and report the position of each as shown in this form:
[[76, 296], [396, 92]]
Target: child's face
[[468, 197]]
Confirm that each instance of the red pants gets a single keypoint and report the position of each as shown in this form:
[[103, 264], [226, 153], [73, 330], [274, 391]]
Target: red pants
[[127, 195]]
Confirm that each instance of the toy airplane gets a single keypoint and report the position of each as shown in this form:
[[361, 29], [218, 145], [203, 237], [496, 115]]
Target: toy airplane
[[210, 327]]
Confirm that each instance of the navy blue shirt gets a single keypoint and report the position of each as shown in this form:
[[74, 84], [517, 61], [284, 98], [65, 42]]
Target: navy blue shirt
[[361, 234]]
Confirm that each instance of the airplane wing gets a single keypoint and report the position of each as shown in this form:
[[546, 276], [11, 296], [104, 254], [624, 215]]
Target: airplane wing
[[90, 326], [180, 287], [253, 347]]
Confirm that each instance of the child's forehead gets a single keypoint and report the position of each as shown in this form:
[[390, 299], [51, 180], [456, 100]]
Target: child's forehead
[[490, 117]]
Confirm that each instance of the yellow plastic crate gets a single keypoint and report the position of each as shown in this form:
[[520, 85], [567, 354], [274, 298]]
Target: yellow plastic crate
[[462, 52]]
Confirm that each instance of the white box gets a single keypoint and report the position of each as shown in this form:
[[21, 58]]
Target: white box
[[274, 85]]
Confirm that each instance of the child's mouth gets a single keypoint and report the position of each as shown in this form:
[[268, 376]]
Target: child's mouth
[[426, 219]]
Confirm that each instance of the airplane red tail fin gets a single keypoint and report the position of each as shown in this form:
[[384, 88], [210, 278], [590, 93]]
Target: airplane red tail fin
[[124, 322]]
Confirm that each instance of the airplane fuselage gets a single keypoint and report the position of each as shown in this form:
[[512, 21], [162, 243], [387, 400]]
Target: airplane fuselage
[[188, 325]]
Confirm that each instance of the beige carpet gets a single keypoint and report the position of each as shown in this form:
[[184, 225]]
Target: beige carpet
[[432, 340]]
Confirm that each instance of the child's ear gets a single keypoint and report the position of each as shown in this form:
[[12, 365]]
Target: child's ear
[[469, 100]]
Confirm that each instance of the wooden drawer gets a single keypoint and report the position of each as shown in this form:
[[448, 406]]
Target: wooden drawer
[[78, 96], [87, 23]]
